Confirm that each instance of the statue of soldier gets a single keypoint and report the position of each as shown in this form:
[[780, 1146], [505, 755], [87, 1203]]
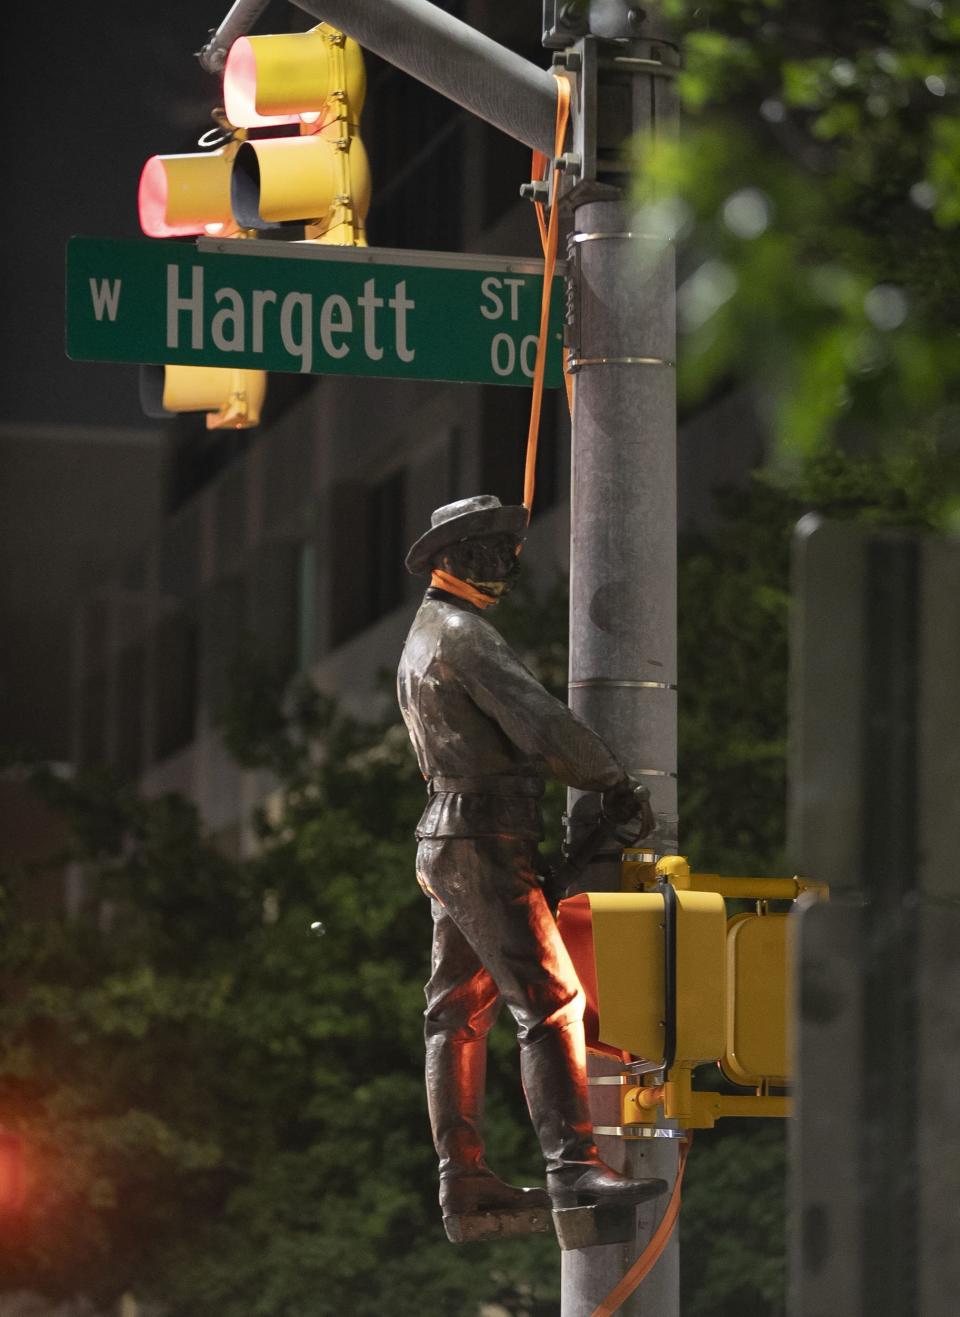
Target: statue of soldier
[[484, 729]]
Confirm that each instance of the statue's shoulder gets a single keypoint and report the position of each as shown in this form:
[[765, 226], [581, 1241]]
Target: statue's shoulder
[[465, 631]]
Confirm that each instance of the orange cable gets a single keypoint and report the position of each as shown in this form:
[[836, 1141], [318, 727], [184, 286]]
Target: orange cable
[[651, 1254], [549, 235], [463, 589]]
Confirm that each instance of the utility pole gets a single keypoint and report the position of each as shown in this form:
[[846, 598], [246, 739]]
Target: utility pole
[[621, 298], [623, 560]]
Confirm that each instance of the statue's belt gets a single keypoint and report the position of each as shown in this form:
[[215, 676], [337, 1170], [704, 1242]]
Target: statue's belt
[[503, 784]]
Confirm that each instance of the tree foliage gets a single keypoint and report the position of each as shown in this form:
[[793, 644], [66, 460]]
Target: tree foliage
[[222, 1108], [815, 197]]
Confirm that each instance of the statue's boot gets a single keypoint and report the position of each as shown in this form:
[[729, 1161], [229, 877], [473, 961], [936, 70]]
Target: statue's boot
[[475, 1203], [554, 1082], [600, 1185], [486, 1192]]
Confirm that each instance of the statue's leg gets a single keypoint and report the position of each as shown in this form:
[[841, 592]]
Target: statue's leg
[[462, 1004], [500, 909], [489, 887]]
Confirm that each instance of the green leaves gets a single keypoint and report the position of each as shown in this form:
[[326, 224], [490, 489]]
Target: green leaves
[[821, 148]]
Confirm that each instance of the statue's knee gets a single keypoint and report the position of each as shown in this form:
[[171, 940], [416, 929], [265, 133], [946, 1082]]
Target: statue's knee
[[555, 1014], [457, 1022]]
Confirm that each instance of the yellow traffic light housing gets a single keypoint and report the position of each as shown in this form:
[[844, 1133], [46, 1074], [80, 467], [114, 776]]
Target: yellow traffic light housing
[[187, 195], [232, 399], [757, 1007], [657, 958], [292, 77], [320, 179], [673, 983], [313, 178]]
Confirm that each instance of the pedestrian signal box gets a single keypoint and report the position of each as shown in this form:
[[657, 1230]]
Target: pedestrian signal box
[[657, 959], [757, 1006], [672, 983]]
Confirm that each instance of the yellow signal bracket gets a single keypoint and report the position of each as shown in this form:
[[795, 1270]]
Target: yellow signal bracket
[[693, 1109], [637, 873], [343, 224]]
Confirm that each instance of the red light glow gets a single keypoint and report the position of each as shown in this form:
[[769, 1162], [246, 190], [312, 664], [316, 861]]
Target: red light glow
[[184, 195], [240, 90], [152, 196], [12, 1183]]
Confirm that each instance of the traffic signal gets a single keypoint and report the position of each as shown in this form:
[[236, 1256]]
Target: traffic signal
[[656, 964], [182, 196], [756, 1050], [672, 982], [232, 399], [187, 195], [320, 178]]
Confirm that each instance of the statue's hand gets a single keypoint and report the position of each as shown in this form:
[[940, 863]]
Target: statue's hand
[[629, 802]]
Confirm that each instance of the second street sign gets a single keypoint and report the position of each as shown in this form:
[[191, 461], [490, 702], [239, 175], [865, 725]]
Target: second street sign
[[311, 309]]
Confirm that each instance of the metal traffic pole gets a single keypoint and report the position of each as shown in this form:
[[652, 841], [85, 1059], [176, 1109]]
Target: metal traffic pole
[[623, 564], [237, 23]]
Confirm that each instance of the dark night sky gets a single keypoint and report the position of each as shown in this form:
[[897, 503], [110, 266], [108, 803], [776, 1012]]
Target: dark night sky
[[90, 90]]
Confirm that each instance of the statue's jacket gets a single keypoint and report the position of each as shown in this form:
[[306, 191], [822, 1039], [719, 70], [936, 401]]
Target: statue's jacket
[[484, 729]]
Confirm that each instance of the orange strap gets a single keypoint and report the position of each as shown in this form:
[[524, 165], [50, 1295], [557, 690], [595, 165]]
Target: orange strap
[[463, 589], [548, 235], [651, 1254]]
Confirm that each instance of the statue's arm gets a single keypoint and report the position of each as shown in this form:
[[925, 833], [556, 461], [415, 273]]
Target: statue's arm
[[529, 716]]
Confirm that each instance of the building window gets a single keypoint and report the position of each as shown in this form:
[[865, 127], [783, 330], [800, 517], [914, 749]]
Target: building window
[[131, 691], [386, 545], [273, 606], [367, 549], [503, 446], [414, 137], [175, 703], [306, 606]]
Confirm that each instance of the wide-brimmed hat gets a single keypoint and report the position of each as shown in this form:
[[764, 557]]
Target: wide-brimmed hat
[[467, 519]]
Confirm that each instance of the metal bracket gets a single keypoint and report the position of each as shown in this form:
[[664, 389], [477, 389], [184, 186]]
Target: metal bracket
[[669, 977], [563, 22]]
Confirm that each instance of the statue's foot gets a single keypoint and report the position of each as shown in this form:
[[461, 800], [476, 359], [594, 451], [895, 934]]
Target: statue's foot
[[599, 1185], [486, 1193], [479, 1207]]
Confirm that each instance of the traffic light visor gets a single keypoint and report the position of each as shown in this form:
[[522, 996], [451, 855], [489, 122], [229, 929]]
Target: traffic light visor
[[282, 79], [233, 399], [185, 195], [284, 180]]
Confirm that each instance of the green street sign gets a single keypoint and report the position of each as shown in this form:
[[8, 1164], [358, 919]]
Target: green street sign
[[309, 309]]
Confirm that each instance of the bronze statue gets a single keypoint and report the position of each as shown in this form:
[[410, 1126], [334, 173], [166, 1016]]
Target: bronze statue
[[484, 730]]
